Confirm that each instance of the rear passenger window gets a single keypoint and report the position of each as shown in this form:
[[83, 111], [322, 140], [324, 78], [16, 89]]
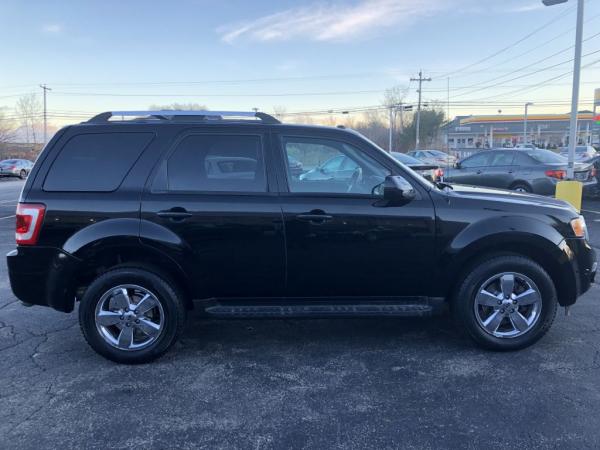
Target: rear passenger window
[[95, 162], [217, 163]]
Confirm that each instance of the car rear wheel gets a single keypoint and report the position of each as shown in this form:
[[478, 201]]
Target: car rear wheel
[[130, 315], [22, 174], [522, 187], [506, 303]]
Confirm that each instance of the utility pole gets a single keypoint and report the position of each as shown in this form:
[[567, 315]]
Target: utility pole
[[45, 89], [391, 128], [420, 80]]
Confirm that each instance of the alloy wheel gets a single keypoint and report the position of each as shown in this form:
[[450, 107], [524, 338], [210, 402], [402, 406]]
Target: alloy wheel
[[508, 305], [129, 317]]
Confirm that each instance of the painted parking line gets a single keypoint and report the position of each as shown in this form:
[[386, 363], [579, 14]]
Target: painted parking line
[[8, 217], [591, 211], [9, 200]]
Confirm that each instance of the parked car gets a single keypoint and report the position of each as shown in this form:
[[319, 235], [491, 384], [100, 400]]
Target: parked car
[[296, 167], [583, 153], [339, 167], [430, 172], [434, 157], [15, 168], [126, 218], [535, 171], [527, 146]]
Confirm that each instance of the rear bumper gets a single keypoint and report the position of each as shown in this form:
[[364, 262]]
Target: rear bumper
[[43, 276]]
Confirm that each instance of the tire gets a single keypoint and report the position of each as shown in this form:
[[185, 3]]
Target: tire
[[22, 174], [522, 187], [472, 315], [104, 297]]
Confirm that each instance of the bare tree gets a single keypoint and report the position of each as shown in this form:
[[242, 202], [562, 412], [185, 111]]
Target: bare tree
[[7, 129], [179, 107], [29, 111], [279, 111]]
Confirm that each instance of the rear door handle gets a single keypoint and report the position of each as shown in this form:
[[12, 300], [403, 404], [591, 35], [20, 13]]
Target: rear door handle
[[314, 218], [175, 214]]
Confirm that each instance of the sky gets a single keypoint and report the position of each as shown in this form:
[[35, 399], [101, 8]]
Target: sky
[[299, 56]]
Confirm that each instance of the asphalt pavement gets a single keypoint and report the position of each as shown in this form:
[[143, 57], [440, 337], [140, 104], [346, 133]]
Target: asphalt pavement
[[375, 383]]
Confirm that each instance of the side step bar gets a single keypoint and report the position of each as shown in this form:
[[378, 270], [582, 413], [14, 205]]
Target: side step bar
[[425, 307]]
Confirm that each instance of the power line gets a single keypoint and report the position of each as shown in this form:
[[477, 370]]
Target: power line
[[514, 44]]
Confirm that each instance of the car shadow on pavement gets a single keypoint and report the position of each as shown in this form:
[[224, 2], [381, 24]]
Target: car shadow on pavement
[[339, 333]]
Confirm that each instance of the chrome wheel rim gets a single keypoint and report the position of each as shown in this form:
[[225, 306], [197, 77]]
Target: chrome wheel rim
[[129, 317], [521, 189], [508, 305]]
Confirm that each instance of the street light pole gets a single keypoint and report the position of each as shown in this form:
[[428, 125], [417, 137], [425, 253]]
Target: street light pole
[[576, 80], [527, 105]]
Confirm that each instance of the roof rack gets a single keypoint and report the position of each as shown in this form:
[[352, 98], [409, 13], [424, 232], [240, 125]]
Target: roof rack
[[185, 116]]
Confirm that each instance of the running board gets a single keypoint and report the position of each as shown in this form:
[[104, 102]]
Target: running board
[[421, 308]]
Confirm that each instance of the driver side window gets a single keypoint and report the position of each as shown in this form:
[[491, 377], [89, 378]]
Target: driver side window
[[317, 165]]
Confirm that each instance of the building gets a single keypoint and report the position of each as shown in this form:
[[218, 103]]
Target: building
[[544, 130]]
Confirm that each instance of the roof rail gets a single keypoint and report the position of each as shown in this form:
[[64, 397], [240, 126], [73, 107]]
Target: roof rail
[[180, 115]]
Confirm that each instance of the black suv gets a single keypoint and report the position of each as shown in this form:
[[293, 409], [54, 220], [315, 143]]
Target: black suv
[[142, 218]]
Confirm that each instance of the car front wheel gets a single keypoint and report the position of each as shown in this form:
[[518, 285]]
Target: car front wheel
[[506, 303], [131, 315]]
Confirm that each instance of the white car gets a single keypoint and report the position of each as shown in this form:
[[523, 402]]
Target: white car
[[434, 157], [527, 147], [582, 152]]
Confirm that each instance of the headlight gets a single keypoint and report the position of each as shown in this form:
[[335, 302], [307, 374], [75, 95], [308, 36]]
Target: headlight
[[579, 227]]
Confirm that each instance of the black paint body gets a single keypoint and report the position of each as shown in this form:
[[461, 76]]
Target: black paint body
[[248, 246]]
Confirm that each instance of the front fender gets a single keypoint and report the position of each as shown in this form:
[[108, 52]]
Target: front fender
[[530, 237]]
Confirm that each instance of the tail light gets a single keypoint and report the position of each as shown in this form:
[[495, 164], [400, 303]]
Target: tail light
[[438, 173], [11, 167], [559, 174], [29, 222]]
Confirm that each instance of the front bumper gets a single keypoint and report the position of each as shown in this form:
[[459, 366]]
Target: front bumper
[[583, 263], [43, 276]]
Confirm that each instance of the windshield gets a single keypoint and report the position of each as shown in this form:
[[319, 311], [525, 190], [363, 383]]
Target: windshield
[[9, 161], [546, 156]]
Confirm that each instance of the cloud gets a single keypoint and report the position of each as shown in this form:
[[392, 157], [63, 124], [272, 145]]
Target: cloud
[[52, 28], [333, 21], [526, 8]]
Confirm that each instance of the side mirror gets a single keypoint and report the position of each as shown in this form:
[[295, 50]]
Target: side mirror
[[397, 191], [457, 165]]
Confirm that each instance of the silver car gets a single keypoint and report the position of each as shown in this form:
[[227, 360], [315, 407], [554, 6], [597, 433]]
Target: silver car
[[15, 168]]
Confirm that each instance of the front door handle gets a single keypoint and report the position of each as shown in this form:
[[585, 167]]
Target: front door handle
[[314, 218], [175, 214]]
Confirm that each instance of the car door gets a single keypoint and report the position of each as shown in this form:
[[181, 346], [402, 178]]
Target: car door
[[500, 172], [469, 170], [212, 193], [341, 240]]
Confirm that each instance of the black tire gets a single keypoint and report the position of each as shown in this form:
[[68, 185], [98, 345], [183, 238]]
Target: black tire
[[463, 304], [22, 174], [167, 293], [522, 187]]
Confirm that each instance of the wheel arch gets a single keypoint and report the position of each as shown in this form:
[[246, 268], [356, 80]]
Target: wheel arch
[[530, 238]]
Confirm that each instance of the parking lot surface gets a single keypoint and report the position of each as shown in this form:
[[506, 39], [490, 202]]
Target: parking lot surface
[[297, 383]]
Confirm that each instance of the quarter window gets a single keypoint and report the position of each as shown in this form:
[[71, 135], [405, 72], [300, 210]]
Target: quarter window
[[217, 163], [327, 166], [95, 162]]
